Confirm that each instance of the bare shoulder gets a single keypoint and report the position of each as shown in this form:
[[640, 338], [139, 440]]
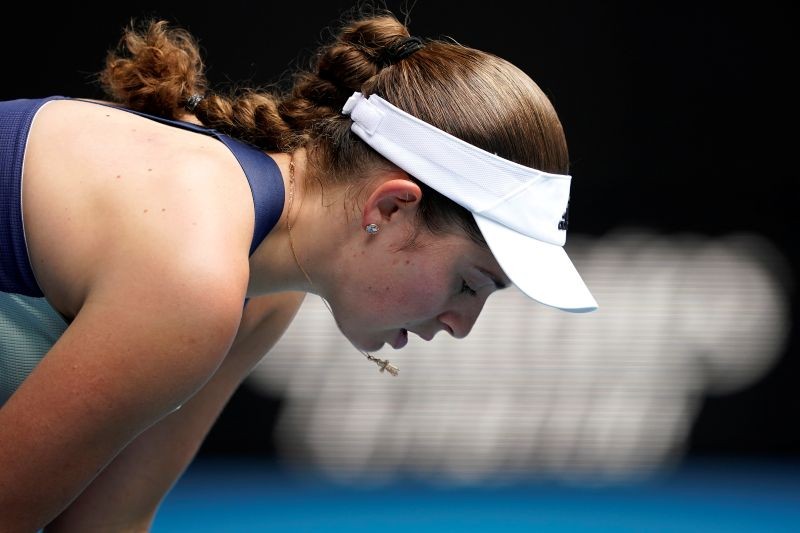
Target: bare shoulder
[[186, 117], [106, 190]]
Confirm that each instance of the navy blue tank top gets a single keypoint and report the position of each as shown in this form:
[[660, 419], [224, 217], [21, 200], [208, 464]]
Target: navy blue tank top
[[16, 116]]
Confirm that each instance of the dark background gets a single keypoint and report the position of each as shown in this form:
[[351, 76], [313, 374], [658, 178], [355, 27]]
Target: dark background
[[679, 117]]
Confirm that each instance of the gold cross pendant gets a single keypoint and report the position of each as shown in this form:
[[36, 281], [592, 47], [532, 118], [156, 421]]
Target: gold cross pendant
[[384, 365]]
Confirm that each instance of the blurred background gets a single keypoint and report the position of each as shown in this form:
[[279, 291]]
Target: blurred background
[[680, 122]]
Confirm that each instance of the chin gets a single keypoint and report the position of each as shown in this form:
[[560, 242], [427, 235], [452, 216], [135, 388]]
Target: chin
[[366, 345], [366, 341], [357, 338]]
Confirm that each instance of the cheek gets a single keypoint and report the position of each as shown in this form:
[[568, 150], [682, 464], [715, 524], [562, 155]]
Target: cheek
[[413, 291], [392, 290]]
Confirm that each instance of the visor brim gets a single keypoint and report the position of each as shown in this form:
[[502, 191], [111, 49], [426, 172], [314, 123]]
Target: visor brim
[[541, 270]]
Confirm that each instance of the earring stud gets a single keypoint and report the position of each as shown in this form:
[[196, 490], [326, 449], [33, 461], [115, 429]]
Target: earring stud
[[372, 229]]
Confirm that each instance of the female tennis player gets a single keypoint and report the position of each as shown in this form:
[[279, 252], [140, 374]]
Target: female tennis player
[[156, 244]]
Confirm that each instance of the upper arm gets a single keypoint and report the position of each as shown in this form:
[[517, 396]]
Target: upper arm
[[130, 489], [137, 349]]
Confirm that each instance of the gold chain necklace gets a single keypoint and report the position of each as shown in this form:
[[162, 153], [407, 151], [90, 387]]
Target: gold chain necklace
[[383, 364]]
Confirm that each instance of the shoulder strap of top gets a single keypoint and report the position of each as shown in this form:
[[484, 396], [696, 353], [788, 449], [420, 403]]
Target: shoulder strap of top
[[263, 174]]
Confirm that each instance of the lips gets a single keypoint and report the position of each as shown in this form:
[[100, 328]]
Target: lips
[[400, 340]]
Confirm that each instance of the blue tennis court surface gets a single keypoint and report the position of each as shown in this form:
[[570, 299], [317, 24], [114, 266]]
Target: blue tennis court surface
[[230, 496]]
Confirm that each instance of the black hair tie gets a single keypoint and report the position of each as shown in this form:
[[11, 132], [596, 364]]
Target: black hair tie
[[192, 101], [400, 49]]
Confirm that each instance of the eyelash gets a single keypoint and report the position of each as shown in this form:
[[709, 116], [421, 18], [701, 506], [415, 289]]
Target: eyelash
[[465, 288]]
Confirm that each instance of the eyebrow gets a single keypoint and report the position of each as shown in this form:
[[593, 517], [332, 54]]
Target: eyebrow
[[496, 279]]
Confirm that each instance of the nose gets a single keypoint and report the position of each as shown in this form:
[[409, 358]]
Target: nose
[[459, 322]]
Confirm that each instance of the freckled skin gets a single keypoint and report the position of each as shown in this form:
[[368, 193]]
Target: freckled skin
[[419, 290]]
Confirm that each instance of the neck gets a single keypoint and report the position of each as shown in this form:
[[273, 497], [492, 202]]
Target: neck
[[302, 237], [272, 267], [301, 231]]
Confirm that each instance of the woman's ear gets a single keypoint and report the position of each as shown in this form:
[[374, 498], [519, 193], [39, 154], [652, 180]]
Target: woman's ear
[[396, 196]]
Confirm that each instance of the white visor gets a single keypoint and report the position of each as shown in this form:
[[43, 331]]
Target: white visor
[[521, 211]]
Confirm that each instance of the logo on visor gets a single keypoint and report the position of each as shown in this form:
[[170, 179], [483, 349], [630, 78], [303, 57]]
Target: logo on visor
[[564, 222]]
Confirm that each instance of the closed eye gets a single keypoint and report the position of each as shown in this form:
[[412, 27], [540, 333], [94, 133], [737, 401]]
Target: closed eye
[[465, 288]]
